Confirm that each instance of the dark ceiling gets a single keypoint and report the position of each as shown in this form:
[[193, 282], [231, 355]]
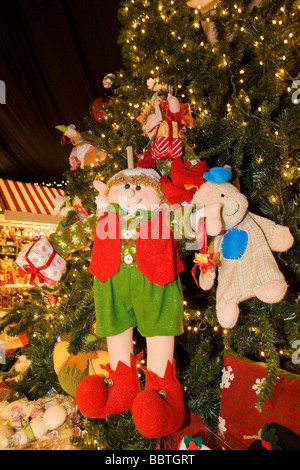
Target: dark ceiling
[[53, 57]]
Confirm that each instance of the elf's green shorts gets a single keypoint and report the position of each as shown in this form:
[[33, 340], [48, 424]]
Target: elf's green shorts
[[128, 299]]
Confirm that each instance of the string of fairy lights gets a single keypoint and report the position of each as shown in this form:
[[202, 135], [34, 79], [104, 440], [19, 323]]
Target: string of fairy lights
[[54, 184]]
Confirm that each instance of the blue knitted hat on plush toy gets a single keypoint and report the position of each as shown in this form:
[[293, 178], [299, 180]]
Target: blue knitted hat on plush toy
[[218, 175]]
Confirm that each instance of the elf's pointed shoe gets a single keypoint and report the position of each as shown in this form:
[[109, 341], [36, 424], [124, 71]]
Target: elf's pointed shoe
[[159, 409], [97, 398]]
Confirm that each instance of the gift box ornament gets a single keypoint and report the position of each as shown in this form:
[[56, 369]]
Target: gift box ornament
[[164, 129], [166, 147], [40, 259]]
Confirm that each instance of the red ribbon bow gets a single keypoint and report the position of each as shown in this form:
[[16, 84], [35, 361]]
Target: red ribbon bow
[[170, 144], [34, 271], [203, 260]]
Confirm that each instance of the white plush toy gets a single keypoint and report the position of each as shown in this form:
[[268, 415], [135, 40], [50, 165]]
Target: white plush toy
[[243, 251]]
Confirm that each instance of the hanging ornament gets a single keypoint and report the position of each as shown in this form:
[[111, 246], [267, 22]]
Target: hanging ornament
[[203, 260], [108, 80], [49, 299], [83, 152], [95, 110], [71, 132]]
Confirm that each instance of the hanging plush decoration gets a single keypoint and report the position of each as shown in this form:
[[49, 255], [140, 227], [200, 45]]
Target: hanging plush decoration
[[243, 251], [162, 122], [83, 152], [162, 130]]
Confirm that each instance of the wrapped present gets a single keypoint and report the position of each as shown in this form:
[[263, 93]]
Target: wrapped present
[[169, 146], [41, 260], [164, 129], [164, 148]]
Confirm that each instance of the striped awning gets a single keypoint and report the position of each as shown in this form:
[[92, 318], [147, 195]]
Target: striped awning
[[25, 198]]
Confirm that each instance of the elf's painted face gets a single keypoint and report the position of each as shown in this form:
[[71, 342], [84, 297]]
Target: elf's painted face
[[134, 196]]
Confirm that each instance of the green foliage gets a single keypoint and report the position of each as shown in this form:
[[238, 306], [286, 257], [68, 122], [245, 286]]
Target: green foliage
[[203, 383], [113, 433], [31, 319]]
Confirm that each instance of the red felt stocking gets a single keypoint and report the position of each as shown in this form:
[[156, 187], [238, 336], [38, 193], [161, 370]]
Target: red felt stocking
[[97, 398], [159, 409]]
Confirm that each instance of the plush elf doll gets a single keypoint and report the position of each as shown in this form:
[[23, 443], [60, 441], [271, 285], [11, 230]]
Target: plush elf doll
[[136, 267]]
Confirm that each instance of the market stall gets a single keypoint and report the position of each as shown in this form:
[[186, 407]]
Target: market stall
[[27, 213]]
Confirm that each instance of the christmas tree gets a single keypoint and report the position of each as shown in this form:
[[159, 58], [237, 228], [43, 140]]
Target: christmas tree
[[236, 66]]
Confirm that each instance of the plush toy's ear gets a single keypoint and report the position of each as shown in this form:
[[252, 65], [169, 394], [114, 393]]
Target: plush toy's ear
[[100, 186]]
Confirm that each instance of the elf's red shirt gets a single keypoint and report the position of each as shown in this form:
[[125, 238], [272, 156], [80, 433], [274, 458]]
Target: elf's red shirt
[[156, 249]]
